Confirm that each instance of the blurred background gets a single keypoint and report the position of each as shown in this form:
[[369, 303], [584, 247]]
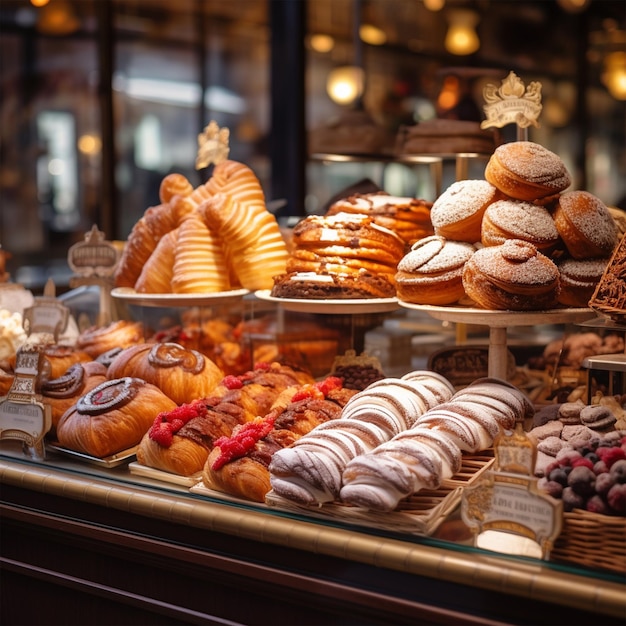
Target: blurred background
[[102, 98]]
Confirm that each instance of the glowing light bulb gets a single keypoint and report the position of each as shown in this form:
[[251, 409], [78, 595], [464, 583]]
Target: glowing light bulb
[[461, 38], [345, 84]]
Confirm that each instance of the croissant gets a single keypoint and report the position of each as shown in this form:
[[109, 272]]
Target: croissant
[[112, 417], [156, 275], [183, 375], [199, 264], [174, 185], [144, 236], [247, 476], [239, 465], [183, 450], [63, 392], [180, 441], [254, 244]]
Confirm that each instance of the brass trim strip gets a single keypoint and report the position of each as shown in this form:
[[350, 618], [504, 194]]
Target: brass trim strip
[[531, 580]]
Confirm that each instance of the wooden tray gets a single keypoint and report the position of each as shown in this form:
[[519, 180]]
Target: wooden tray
[[420, 514]]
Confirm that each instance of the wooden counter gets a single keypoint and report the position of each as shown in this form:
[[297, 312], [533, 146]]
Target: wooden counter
[[79, 547]]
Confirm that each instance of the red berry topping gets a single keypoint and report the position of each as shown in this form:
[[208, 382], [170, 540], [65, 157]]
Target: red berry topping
[[232, 382], [242, 440]]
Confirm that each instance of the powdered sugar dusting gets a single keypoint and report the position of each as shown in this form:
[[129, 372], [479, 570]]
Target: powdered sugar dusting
[[590, 217], [516, 261], [435, 254], [523, 220], [461, 200], [534, 163]]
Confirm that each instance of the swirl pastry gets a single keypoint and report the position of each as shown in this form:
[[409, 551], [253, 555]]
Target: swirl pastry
[[233, 179], [98, 340], [63, 392], [57, 359], [183, 375], [585, 225], [432, 271], [112, 417], [525, 170], [457, 214], [513, 276], [431, 450], [309, 472]]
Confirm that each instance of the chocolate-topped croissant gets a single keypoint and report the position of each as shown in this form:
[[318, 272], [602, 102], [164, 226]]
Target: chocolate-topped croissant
[[183, 375]]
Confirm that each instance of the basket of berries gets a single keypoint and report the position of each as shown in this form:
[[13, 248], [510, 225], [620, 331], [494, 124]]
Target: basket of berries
[[591, 482]]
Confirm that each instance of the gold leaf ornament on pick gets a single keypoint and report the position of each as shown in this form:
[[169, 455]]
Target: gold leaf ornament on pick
[[212, 145]]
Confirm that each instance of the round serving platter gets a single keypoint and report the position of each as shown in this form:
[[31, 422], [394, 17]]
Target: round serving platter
[[130, 296], [331, 306]]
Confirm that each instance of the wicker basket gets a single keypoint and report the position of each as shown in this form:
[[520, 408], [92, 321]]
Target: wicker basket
[[592, 540]]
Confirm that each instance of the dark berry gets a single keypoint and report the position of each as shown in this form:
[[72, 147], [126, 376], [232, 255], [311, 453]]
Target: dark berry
[[582, 481]]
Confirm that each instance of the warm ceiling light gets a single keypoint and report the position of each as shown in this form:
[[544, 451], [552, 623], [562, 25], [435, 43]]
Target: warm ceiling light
[[322, 43], [39, 3], [89, 144], [345, 84], [434, 5], [58, 18], [573, 6], [372, 34], [461, 37], [614, 76]]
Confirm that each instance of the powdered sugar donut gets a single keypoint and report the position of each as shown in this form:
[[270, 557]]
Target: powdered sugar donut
[[527, 171], [457, 213], [431, 272], [585, 225]]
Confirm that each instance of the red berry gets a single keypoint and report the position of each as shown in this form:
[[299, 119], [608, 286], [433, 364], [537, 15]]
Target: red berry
[[232, 382], [582, 461]]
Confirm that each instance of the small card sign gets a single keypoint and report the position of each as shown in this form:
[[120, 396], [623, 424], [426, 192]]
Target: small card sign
[[94, 256], [46, 315], [22, 414], [512, 103], [506, 510]]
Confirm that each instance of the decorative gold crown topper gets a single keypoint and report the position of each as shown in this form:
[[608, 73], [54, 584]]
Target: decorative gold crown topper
[[212, 145], [512, 103]]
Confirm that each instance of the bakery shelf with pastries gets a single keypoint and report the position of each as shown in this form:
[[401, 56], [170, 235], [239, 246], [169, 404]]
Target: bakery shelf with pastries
[[215, 238], [517, 240]]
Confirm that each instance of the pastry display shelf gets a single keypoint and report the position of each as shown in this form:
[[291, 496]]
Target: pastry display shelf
[[435, 161], [499, 322]]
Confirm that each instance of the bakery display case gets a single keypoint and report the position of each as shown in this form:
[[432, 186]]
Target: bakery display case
[[167, 555]]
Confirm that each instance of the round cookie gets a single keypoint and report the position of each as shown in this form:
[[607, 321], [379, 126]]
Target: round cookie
[[525, 170]]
